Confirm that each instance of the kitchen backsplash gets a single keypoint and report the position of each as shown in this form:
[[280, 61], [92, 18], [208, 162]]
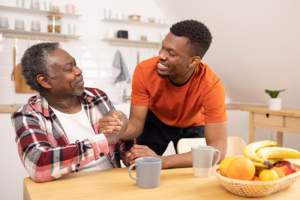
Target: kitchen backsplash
[[93, 56]]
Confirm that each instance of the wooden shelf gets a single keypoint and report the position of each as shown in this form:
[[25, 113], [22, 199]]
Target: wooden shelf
[[34, 11], [33, 35], [131, 43], [135, 22]]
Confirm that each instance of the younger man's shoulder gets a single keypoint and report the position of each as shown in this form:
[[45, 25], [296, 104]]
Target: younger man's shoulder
[[152, 62]]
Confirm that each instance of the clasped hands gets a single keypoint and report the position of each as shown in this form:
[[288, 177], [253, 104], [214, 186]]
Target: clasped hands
[[113, 127]]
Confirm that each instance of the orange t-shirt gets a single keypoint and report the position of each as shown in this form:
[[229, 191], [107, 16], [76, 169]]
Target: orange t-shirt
[[200, 100]]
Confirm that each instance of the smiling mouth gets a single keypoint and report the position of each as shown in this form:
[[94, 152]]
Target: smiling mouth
[[162, 67], [80, 81]]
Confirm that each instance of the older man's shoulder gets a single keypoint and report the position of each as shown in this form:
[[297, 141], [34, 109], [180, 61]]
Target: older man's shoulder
[[94, 91]]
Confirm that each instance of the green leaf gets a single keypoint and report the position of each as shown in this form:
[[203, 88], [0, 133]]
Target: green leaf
[[274, 93]]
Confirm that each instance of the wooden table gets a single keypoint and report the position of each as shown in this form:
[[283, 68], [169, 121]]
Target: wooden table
[[285, 120], [116, 184]]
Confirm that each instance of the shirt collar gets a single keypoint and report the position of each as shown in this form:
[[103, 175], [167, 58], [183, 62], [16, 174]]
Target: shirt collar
[[40, 104]]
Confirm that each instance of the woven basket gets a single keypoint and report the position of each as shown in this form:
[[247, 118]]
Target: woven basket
[[257, 188]]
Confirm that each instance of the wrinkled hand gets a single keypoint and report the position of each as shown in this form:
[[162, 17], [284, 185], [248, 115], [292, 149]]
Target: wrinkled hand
[[138, 151], [113, 126], [111, 122]]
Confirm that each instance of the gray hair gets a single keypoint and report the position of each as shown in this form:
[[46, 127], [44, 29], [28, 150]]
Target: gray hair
[[35, 61]]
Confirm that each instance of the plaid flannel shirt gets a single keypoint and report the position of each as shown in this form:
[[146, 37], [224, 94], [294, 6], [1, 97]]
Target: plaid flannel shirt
[[43, 145]]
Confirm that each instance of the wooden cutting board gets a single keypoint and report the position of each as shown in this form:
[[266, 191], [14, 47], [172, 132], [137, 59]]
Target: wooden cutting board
[[20, 83]]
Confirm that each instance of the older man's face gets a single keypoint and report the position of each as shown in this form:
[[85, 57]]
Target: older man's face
[[68, 79]]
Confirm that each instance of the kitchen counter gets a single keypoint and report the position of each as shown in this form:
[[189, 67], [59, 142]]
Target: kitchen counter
[[11, 109]]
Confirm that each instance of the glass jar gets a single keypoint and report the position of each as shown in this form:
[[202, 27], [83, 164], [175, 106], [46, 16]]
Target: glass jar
[[54, 23], [55, 8]]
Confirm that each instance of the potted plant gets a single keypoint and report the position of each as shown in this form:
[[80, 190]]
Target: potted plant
[[274, 102]]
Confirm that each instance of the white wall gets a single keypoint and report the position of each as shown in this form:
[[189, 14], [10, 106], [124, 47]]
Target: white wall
[[256, 45], [93, 57]]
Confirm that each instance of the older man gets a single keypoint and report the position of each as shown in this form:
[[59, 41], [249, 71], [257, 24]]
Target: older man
[[175, 96], [57, 130]]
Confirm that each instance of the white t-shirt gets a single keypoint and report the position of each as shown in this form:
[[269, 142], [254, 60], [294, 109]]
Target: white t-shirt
[[78, 127]]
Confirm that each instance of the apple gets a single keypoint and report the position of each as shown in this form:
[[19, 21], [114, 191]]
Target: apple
[[285, 166]]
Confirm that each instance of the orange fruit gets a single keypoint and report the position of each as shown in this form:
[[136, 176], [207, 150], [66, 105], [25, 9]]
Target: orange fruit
[[241, 168], [255, 178], [268, 175], [224, 165], [279, 172]]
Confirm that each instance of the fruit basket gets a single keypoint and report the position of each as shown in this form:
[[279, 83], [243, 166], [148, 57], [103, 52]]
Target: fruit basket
[[257, 188]]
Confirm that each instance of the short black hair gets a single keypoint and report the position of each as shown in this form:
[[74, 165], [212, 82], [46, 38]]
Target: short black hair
[[198, 34], [35, 62]]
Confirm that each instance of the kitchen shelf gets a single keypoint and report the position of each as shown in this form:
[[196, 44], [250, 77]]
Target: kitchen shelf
[[135, 22], [34, 11], [131, 43], [33, 35]]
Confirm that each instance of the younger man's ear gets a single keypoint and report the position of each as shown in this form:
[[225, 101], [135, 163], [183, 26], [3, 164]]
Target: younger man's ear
[[195, 61]]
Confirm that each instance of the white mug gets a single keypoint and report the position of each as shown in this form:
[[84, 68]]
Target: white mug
[[202, 160], [110, 34]]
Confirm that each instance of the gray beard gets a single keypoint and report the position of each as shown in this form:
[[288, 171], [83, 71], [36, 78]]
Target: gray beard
[[75, 92]]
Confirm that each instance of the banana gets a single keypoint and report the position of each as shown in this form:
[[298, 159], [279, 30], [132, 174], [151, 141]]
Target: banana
[[277, 152], [263, 166], [250, 151]]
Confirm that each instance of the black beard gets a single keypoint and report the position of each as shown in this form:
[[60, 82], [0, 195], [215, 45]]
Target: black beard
[[162, 76]]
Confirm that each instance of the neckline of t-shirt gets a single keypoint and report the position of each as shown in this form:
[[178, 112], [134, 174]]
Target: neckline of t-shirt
[[187, 83], [69, 115]]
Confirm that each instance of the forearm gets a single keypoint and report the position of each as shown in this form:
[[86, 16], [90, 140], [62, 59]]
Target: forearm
[[216, 135], [221, 147], [177, 160], [133, 131], [45, 163]]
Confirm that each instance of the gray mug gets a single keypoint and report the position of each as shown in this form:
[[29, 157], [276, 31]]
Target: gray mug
[[202, 160], [147, 172]]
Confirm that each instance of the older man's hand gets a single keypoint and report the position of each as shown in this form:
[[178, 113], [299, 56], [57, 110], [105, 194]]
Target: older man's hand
[[113, 126]]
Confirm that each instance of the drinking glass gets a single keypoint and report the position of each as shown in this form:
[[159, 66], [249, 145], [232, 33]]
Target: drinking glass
[[19, 24], [71, 29], [4, 22], [35, 4], [106, 13], [35, 26], [20, 3], [48, 5]]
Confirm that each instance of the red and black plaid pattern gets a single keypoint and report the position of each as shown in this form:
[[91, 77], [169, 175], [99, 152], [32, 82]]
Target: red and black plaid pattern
[[44, 148]]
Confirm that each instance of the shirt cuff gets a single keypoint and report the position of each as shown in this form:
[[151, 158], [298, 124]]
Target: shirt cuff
[[99, 144]]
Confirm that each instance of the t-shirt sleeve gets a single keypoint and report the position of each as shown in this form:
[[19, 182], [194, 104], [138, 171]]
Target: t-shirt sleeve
[[214, 104], [139, 94]]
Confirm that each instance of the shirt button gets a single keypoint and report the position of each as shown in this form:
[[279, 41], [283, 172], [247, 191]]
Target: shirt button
[[101, 154]]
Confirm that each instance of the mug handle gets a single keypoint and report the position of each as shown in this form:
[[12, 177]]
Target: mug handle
[[129, 171], [217, 159], [75, 9]]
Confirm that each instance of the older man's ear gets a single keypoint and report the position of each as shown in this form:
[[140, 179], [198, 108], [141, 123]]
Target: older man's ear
[[43, 81]]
